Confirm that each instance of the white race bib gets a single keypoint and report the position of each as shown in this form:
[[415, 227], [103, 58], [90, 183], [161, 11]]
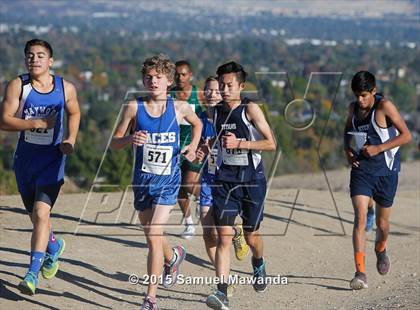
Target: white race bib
[[235, 157], [360, 139], [39, 136], [211, 162], [157, 159]]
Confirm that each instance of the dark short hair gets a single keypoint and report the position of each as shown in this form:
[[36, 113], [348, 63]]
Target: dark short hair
[[363, 81], [232, 67], [183, 63], [39, 42]]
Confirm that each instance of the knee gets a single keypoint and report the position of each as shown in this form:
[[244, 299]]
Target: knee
[[225, 241], [154, 241], [40, 215], [250, 238]]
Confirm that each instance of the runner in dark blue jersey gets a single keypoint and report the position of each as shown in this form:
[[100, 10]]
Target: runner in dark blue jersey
[[240, 185], [207, 153], [378, 131]]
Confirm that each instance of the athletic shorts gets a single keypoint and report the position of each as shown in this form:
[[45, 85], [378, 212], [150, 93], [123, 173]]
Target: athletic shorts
[[151, 189], [381, 188], [231, 199], [44, 193], [31, 173]]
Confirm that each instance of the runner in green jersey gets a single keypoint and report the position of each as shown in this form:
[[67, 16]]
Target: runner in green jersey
[[190, 172]]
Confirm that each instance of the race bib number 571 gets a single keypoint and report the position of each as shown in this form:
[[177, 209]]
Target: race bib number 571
[[157, 159]]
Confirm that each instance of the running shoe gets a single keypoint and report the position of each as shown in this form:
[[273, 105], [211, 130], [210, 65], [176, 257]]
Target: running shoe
[[149, 303], [218, 301], [383, 263], [28, 284], [50, 265], [239, 244], [171, 271], [259, 278], [359, 281], [370, 219], [189, 232]]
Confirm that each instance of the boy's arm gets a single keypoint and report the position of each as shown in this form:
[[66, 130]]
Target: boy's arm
[[256, 115], [10, 106], [119, 140], [404, 137], [73, 118]]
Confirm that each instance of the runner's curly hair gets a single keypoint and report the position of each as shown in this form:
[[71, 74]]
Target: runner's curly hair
[[161, 63]]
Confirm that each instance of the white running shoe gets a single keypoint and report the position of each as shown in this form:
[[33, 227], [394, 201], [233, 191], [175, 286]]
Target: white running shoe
[[189, 232]]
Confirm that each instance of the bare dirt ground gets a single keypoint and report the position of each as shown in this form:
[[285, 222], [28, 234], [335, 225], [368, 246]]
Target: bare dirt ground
[[306, 240]]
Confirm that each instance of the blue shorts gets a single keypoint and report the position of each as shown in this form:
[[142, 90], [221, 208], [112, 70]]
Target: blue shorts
[[40, 180], [381, 188], [151, 189], [206, 187], [34, 173], [231, 199]]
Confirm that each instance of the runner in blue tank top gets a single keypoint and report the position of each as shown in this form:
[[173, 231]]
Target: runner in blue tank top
[[34, 105], [155, 122], [378, 131], [240, 182], [207, 154]]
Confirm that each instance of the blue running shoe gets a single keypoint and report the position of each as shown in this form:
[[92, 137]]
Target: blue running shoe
[[218, 301], [260, 283], [370, 219], [28, 284], [50, 265]]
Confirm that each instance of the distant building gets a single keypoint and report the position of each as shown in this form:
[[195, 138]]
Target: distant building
[[86, 75], [401, 73]]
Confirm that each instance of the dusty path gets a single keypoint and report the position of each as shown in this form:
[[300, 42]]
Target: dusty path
[[304, 242]]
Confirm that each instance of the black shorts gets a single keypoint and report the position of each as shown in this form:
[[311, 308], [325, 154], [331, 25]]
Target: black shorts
[[231, 199], [44, 193], [381, 188]]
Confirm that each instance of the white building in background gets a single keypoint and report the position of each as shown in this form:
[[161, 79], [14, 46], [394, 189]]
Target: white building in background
[[401, 73], [86, 75]]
